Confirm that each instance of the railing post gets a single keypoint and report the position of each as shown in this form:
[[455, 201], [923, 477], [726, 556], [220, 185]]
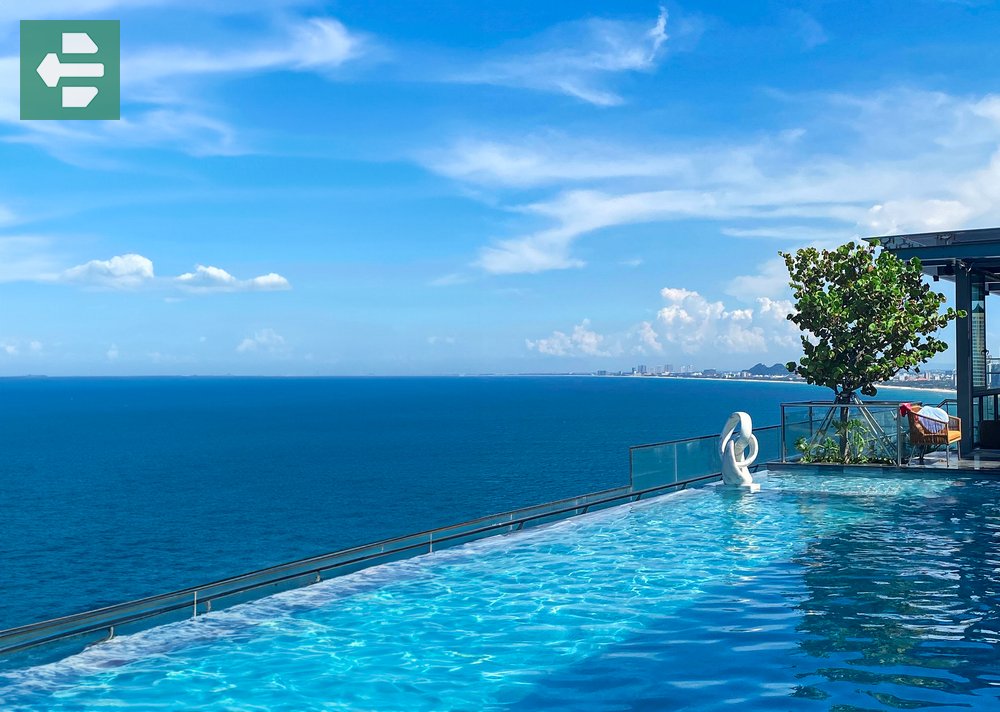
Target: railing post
[[899, 439], [783, 432]]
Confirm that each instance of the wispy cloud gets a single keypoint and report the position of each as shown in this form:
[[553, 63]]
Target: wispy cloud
[[162, 105], [578, 59], [945, 174], [26, 258], [315, 44]]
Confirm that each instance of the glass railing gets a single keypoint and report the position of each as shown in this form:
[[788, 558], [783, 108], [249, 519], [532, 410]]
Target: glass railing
[[662, 467], [677, 461], [869, 432]]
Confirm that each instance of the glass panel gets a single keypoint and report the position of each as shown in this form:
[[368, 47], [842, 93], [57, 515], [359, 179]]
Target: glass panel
[[871, 431]]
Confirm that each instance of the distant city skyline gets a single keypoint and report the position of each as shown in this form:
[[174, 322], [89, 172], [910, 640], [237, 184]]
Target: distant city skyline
[[301, 187]]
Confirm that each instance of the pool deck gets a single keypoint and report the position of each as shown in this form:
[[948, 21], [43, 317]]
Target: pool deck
[[980, 461]]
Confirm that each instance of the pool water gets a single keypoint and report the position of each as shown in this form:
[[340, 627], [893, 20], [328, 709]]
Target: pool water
[[819, 592]]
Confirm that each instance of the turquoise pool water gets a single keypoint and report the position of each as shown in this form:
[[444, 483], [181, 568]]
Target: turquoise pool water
[[819, 592]]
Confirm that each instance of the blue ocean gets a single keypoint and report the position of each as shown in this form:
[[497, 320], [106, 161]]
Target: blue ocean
[[114, 489]]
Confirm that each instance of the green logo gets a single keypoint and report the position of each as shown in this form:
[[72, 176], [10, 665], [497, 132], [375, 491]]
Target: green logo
[[70, 69]]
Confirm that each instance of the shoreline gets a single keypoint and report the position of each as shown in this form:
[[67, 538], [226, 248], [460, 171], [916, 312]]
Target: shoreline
[[929, 389]]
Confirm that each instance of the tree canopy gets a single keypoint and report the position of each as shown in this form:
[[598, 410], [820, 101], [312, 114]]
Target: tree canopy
[[865, 315]]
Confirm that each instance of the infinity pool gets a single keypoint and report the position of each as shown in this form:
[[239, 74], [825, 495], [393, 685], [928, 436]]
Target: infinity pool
[[819, 592]]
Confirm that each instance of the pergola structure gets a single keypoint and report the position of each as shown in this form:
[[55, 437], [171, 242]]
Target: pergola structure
[[970, 259]]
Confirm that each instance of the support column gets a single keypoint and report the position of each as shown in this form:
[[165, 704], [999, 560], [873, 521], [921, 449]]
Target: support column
[[963, 353]]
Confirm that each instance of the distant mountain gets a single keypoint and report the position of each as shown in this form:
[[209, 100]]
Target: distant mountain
[[760, 369]]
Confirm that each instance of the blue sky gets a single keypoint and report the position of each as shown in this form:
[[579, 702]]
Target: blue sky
[[302, 187]]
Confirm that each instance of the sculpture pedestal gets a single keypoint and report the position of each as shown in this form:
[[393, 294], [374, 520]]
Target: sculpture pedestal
[[749, 488]]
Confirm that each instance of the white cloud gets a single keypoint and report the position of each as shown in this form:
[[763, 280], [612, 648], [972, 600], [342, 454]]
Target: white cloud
[[649, 340], [696, 324], [265, 340], [900, 161], [308, 45], [112, 353], [133, 271], [795, 233], [582, 341], [688, 323], [213, 279], [578, 59], [773, 314], [435, 340], [549, 158], [128, 271], [541, 252]]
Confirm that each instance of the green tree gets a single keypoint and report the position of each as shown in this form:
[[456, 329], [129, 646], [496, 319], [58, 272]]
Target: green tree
[[865, 316]]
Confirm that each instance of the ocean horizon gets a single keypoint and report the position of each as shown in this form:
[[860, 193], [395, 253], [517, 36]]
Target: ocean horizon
[[119, 488]]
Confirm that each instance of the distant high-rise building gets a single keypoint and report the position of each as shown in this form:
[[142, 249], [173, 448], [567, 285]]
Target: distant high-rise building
[[668, 368], [641, 369]]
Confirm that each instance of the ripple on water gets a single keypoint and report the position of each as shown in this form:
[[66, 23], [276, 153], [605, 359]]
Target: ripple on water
[[818, 593]]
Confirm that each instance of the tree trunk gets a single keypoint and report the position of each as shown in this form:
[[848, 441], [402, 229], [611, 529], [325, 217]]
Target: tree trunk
[[845, 416]]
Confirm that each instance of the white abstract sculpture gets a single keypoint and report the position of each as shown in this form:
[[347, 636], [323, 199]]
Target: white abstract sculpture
[[737, 436]]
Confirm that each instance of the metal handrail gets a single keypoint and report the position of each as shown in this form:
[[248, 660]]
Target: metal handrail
[[714, 436], [818, 403], [108, 618]]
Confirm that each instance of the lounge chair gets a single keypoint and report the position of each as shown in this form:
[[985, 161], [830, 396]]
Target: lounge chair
[[926, 436]]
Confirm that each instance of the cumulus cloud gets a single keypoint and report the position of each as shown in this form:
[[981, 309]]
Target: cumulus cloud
[[128, 271], [112, 353], [696, 324], [265, 340], [582, 341], [649, 340], [133, 271], [578, 59], [214, 279], [688, 323]]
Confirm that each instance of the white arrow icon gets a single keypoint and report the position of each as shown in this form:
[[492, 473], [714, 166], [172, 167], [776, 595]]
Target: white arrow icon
[[51, 70]]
